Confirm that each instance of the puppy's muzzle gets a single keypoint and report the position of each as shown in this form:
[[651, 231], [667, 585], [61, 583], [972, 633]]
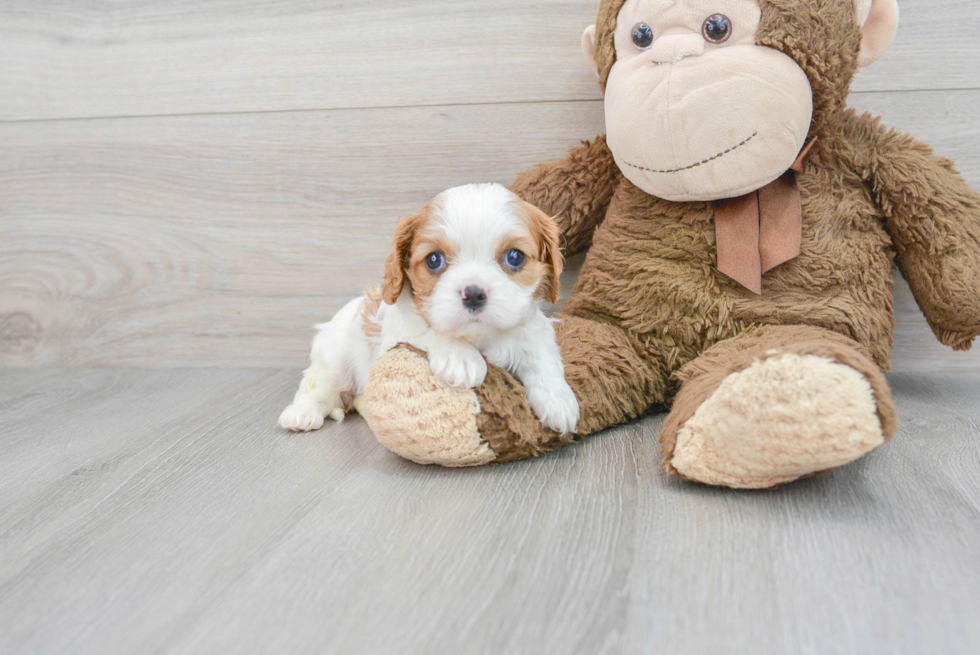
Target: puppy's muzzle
[[474, 298]]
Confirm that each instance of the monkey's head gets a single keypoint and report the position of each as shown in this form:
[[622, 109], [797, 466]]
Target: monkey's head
[[711, 99]]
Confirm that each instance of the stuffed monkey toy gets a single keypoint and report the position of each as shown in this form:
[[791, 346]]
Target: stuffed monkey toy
[[742, 225]]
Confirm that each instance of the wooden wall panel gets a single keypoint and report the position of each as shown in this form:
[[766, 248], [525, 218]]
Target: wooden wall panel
[[85, 58], [219, 240]]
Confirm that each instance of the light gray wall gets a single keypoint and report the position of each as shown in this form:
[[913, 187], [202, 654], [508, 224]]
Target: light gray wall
[[197, 183]]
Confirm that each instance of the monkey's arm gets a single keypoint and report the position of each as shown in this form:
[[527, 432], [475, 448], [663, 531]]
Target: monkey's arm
[[933, 217], [576, 190]]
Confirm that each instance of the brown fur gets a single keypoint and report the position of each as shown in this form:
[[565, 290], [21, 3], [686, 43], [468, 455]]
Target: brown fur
[[651, 315], [369, 312], [547, 237], [534, 272], [420, 278], [869, 194], [398, 261]]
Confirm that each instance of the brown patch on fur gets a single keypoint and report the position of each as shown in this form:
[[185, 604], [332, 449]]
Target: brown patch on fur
[[531, 274], [397, 262], [545, 232], [534, 271], [369, 313], [422, 280], [522, 242]]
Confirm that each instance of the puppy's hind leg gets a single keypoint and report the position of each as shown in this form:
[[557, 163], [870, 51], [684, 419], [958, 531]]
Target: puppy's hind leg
[[318, 396], [319, 393]]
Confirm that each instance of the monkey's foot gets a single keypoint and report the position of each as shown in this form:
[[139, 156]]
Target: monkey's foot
[[778, 420]]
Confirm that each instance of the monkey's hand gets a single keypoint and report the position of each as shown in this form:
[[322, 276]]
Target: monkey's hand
[[575, 190], [933, 217]]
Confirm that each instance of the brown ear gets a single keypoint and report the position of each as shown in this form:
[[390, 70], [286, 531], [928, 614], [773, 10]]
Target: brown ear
[[397, 262], [545, 230], [604, 51]]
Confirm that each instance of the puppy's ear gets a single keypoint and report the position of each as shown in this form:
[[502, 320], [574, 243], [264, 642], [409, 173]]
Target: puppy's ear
[[545, 230], [401, 251]]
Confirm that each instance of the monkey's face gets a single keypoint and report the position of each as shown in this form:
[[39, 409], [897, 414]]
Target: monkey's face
[[695, 110]]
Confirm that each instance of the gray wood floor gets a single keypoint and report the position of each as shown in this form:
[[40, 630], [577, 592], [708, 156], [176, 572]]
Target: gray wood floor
[[161, 511]]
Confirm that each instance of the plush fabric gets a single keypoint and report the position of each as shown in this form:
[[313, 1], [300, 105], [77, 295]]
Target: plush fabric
[[777, 420], [670, 125], [793, 408], [652, 323], [420, 417]]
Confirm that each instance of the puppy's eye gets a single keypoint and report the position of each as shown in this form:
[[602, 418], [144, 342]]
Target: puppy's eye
[[716, 29], [435, 262], [642, 36], [514, 259]]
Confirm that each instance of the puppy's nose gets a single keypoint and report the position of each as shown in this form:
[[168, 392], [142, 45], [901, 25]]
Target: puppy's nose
[[474, 298]]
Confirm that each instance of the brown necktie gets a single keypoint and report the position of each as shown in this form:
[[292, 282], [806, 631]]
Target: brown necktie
[[759, 231]]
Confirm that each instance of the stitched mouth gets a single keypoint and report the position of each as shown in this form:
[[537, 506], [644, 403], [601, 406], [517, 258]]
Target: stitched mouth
[[700, 163]]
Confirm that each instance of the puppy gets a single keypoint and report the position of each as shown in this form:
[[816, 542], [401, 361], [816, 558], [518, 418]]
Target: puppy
[[467, 275]]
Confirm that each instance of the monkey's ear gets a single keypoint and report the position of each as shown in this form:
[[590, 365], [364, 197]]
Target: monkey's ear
[[879, 23], [588, 47]]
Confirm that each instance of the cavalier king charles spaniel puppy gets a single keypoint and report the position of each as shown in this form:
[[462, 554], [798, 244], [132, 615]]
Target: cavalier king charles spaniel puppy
[[465, 281]]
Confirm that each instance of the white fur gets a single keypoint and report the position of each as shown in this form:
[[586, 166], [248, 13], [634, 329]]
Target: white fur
[[510, 331]]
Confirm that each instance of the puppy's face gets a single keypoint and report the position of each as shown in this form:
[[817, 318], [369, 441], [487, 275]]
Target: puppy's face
[[475, 259]]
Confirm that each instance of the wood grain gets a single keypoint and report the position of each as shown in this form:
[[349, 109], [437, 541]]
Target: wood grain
[[219, 240], [162, 511], [171, 241], [71, 59], [242, 186]]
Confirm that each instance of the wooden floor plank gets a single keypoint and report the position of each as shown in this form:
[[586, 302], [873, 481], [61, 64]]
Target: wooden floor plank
[[95, 530], [935, 406], [71, 59], [219, 240], [229, 536], [878, 557]]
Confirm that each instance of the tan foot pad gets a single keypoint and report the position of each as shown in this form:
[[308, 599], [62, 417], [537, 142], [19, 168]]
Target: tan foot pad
[[420, 417], [778, 420]]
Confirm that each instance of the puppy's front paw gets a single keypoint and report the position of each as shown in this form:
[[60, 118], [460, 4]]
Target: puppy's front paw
[[460, 366], [555, 405], [301, 418]]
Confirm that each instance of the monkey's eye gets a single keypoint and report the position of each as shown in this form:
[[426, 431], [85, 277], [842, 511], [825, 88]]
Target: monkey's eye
[[514, 259], [435, 262], [716, 29], [642, 36]]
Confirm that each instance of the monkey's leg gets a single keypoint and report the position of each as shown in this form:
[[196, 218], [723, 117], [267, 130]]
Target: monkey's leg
[[421, 418], [775, 404]]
